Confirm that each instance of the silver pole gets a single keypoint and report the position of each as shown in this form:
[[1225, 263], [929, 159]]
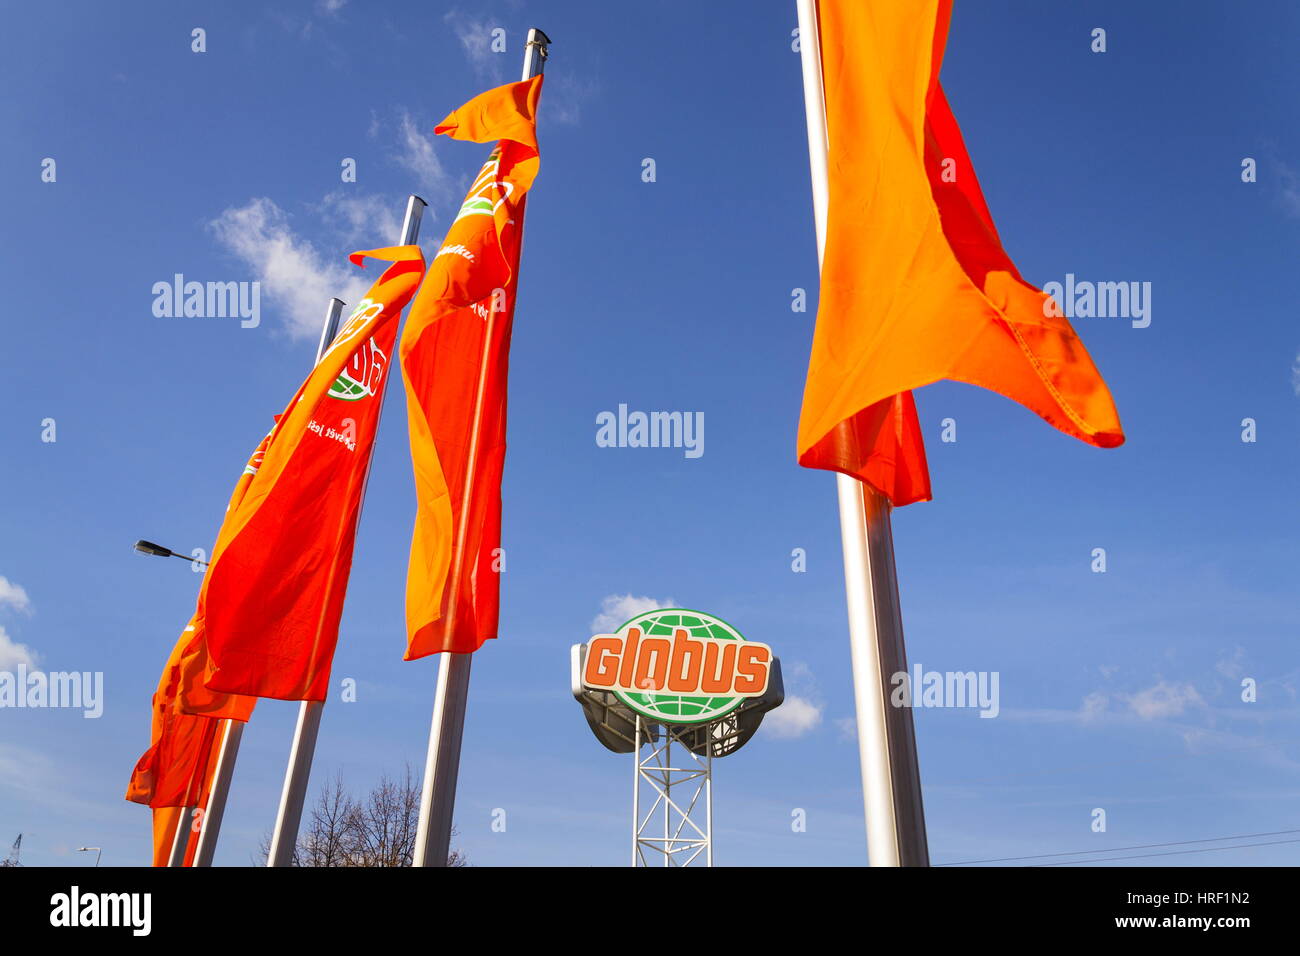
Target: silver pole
[[708, 805], [891, 779], [442, 763], [210, 826], [294, 792], [636, 791], [668, 793], [181, 840], [294, 795]]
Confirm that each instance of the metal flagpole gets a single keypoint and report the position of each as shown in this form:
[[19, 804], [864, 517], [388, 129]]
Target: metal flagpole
[[211, 825], [285, 838], [304, 734], [891, 779], [442, 764], [181, 839]]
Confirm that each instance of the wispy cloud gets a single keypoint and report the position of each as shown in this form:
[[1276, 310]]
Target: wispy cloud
[[12, 654], [617, 608], [14, 596], [1233, 667], [293, 274], [415, 153], [1288, 187], [801, 712], [1295, 374], [296, 277], [847, 727], [1164, 700], [795, 717], [475, 38], [1094, 705], [363, 220], [565, 96]]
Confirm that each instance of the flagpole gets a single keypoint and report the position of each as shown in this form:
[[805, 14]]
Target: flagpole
[[442, 763], [181, 838], [288, 819], [210, 825], [891, 779], [292, 796]]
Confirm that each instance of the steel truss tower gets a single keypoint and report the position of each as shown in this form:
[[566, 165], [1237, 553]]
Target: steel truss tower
[[673, 824]]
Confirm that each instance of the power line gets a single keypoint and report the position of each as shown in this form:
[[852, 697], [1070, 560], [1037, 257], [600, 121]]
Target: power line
[[1142, 856], [1145, 846]]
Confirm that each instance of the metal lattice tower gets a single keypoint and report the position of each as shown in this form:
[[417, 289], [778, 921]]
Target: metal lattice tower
[[12, 859], [674, 827]]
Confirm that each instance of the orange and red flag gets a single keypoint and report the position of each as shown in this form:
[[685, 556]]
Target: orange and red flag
[[177, 769], [916, 286], [172, 771], [273, 595], [455, 355]]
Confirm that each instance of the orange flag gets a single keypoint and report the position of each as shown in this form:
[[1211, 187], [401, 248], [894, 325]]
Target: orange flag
[[456, 346], [274, 591], [916, 286], [177, 769]]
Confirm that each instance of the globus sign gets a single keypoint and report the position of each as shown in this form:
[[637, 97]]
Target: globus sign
[[360, 378], [678, 666]]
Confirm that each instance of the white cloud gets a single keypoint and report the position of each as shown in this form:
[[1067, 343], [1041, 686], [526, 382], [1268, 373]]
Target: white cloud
[[293, 274], [1290, 193], [618, 608], [563, 98], [847, 728], [1164, 700], [330, 7], [795, 717], [475, 38], [1233, 667], [14, 596], [364, 221], [416, 154], [1094, 705], [801, 711], [299, 280], [1295, 374], [12, 654]]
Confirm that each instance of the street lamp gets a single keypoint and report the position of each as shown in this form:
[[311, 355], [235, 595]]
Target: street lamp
[[148, 547], [99, 851]]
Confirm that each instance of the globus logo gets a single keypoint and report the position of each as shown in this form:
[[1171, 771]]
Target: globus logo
[[487, 192], [363, 373], [678, 666]]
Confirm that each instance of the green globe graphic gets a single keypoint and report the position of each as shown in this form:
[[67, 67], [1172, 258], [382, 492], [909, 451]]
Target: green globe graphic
[[348, 390], [675, 708]]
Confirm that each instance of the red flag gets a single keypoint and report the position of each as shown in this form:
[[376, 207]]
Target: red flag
[[274, 592], [455, 356]]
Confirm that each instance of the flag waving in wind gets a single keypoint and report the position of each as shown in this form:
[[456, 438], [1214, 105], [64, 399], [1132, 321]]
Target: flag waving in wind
[[916, 286], [273, 595], [455, 355], [177, 768]]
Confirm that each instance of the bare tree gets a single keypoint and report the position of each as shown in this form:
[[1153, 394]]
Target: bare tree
[[378, 832]]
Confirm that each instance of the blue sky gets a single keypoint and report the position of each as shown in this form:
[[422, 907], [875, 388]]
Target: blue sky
[[1119, 690]]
